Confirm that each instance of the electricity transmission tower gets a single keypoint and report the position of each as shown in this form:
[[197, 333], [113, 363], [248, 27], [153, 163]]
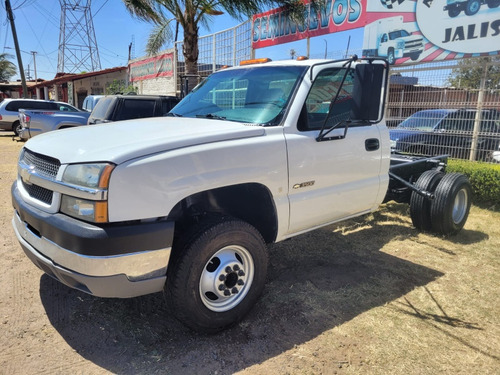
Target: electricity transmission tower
[[77, 43]]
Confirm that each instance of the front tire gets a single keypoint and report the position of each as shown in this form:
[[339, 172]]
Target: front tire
[[453, 12], [390, 57], [451, 205], [218, 273]]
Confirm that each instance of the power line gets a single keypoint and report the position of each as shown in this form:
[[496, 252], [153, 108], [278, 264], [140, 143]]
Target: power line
[[98, 10], [37, 38]]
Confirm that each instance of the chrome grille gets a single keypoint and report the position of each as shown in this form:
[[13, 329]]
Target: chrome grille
[[39, 193], [44, 165], [413, 44]]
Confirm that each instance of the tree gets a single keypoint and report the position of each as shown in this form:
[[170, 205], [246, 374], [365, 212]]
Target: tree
[[190, 13], [468, 73], [119, 87], [7, 68]]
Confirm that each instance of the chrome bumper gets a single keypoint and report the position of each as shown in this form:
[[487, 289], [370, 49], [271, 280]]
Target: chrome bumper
[[121, 276]]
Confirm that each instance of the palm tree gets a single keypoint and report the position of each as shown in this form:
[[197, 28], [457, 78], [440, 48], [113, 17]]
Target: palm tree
[[190, 13], [7, 68]]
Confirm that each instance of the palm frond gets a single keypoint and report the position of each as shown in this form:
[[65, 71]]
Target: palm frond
[[146, 10], [159, 36]]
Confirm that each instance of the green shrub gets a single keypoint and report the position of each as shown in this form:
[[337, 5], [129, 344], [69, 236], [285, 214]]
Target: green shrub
[[484, 178]]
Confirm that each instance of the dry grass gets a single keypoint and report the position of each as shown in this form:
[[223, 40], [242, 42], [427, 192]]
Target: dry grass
[[445, 319]]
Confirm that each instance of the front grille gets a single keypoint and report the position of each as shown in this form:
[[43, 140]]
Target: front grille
[[44, 165], [39, 193], [414, 44]]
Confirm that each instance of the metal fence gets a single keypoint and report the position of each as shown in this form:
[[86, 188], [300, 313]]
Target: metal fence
[[224, 48], [430, 111]]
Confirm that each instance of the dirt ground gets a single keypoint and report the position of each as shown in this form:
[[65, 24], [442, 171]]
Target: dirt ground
[[368, 296]]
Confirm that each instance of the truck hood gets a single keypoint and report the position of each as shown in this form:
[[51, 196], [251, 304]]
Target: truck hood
[[124, 140]]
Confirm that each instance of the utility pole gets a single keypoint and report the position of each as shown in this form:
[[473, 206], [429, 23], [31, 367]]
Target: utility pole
[[34, 64], [28, 73], [10, 16]]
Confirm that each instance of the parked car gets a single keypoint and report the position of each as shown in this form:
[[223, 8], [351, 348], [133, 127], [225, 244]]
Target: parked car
[[447, 131], [495, 156], [9, 111], [125, 107], [90, 102], [35, 122]]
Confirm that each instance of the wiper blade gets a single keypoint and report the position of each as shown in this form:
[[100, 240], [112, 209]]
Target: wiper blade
[[211, 116], [172, 114]]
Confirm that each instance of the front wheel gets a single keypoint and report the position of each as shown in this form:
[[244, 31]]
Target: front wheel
[[451, 205], [218, 272], [453, 12], [390, 57]]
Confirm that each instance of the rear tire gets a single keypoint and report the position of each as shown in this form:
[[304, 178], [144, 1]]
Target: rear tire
[[451, 205], [493, 4], [218, 272], [472, 7], [420, 207], [16, 128]]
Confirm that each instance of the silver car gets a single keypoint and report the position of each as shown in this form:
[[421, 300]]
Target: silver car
[[9, 111]]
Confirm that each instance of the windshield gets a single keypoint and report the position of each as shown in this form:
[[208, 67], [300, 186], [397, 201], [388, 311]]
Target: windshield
[[398, 34], [257, 95], [424, 120]]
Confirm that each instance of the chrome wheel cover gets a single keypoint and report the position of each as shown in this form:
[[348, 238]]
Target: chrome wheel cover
[[460, 206], [226, 278]]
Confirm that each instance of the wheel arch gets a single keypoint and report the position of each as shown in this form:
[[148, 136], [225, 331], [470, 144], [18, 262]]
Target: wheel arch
[[250, 202]]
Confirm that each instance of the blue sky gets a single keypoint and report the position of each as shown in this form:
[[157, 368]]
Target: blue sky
[[37, 24]]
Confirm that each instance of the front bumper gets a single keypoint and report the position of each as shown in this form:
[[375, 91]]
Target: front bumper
[[117, 261]]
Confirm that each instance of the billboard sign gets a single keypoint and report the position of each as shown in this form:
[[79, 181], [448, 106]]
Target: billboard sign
[[275, 26], [152, 67], [430, 30]]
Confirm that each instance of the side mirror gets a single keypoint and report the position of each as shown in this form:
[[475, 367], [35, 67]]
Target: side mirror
[[368, 94]]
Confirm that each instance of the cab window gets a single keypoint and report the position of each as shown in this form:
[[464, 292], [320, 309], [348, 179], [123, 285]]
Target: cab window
[[323, 90]]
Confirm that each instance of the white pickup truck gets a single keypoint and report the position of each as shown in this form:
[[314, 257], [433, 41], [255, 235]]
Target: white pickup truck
[[186, 204]]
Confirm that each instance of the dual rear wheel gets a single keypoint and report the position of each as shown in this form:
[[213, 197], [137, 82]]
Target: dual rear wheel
[[447, 213]]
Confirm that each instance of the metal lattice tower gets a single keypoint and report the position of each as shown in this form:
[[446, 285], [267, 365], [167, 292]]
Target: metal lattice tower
[[77, 43]]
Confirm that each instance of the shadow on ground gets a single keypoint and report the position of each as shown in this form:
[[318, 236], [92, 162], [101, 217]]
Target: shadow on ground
[[316, 282]]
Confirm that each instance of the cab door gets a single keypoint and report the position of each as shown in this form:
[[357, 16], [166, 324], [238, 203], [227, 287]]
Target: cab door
[[338, 177]]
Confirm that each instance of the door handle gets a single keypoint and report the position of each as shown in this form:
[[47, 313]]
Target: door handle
[[372, 144]]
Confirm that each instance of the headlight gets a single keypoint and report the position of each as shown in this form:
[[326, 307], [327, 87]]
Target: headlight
[[88, 175], [90, 180], [400, 44]]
